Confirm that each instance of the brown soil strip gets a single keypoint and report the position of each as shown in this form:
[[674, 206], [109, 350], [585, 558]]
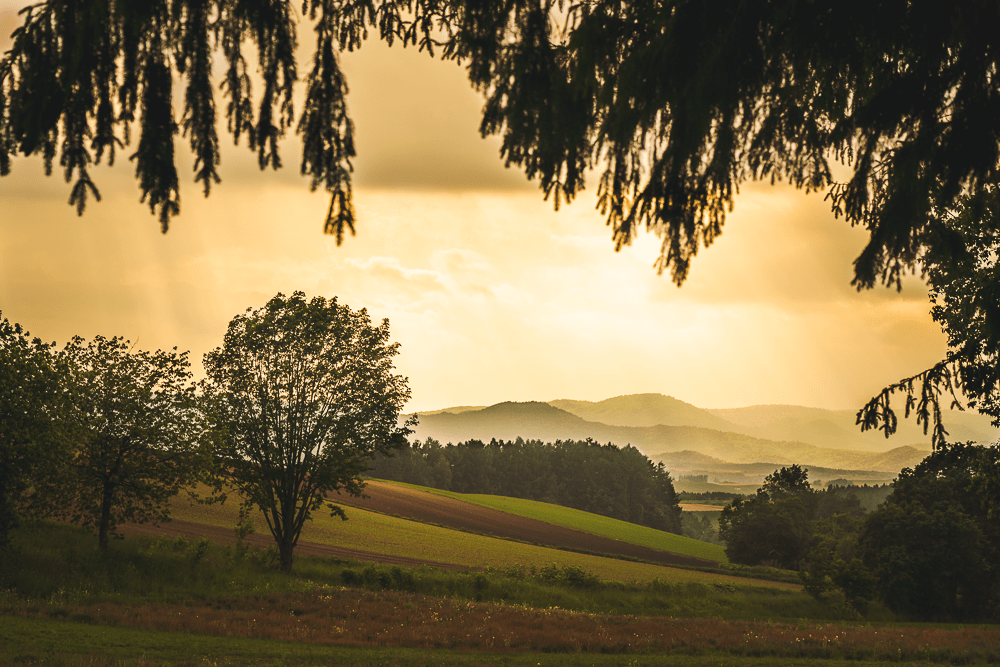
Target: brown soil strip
[[410, 503]]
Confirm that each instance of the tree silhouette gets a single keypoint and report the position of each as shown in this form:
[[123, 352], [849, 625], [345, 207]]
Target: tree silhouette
[[32, 442], [138, 434], [305, 395]]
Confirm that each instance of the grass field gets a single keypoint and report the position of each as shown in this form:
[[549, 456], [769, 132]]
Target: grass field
[[382, 534], [589, 523], [154, 601], [34, 641]]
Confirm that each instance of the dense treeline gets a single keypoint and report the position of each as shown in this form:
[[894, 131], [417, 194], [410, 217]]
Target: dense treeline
[[931, 551], [869, 497], [618, 482]]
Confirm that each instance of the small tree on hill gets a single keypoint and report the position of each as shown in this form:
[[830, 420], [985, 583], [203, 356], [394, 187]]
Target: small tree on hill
[[305, 394], [137, 431], [787, 482]]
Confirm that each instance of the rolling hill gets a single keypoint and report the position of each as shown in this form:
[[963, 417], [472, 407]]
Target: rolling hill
[[831, 429], [838, 428], [646, 410], [542, 421]]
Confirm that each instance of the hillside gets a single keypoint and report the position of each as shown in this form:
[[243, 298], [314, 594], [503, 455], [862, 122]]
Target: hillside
[[838, 428], [646, 410], [687, 464], [541, 421], [535, 522]]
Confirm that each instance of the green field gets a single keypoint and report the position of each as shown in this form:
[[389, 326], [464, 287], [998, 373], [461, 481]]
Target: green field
[[393, 536], [159, 600], [594, 524]]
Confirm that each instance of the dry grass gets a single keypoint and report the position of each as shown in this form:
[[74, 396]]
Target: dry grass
[[351, 617]]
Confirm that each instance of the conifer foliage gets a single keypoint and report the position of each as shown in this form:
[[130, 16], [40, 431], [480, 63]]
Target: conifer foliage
[[674, 103]]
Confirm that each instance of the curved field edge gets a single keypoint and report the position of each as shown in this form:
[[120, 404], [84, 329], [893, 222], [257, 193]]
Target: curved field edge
[[595, 524], [381, 534]]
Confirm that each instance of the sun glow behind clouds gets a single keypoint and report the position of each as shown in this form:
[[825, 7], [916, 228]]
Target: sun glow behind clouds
[[492, 294]]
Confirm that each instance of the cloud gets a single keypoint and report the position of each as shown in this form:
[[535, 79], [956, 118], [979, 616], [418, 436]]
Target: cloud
[[417, 125], [392, 276], [781, 245]]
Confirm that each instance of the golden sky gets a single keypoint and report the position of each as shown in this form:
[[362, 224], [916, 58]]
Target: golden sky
[[492, 294]]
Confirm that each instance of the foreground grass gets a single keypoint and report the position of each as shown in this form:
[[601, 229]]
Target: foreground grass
[[594, 524], [56, 565], [47, 642], [154, 601]]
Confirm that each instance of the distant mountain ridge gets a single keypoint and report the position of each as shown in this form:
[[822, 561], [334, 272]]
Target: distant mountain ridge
[[646, 410], [547, 422], [836, 429]]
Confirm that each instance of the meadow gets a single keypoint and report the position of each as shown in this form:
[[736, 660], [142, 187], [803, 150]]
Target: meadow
[[385, 535], [155, 600], [588, 523]]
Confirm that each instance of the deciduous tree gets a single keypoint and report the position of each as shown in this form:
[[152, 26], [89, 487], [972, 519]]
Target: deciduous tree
[[31, 438], [778, 525], [138, 434], [305, 394], [759, 531], [934, 546]]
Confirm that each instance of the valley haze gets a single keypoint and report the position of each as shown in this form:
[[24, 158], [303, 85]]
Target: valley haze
[[738, 445]]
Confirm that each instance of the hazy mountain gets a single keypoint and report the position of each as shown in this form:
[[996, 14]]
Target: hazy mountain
[[645, 410], [507, 421], [815, 426], [837, 428], [455, 410], [541, 421]]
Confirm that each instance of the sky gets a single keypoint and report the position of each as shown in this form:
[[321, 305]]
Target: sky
[[492, 295]]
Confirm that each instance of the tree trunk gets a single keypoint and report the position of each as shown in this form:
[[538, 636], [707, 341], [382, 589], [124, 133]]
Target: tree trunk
[[105, 526], [286, 548]]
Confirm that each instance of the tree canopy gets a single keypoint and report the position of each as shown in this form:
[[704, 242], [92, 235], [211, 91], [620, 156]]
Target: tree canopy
[[304, 394], [930, 551], [31, 406], [674, 104], [777, 525], [139, 436]]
